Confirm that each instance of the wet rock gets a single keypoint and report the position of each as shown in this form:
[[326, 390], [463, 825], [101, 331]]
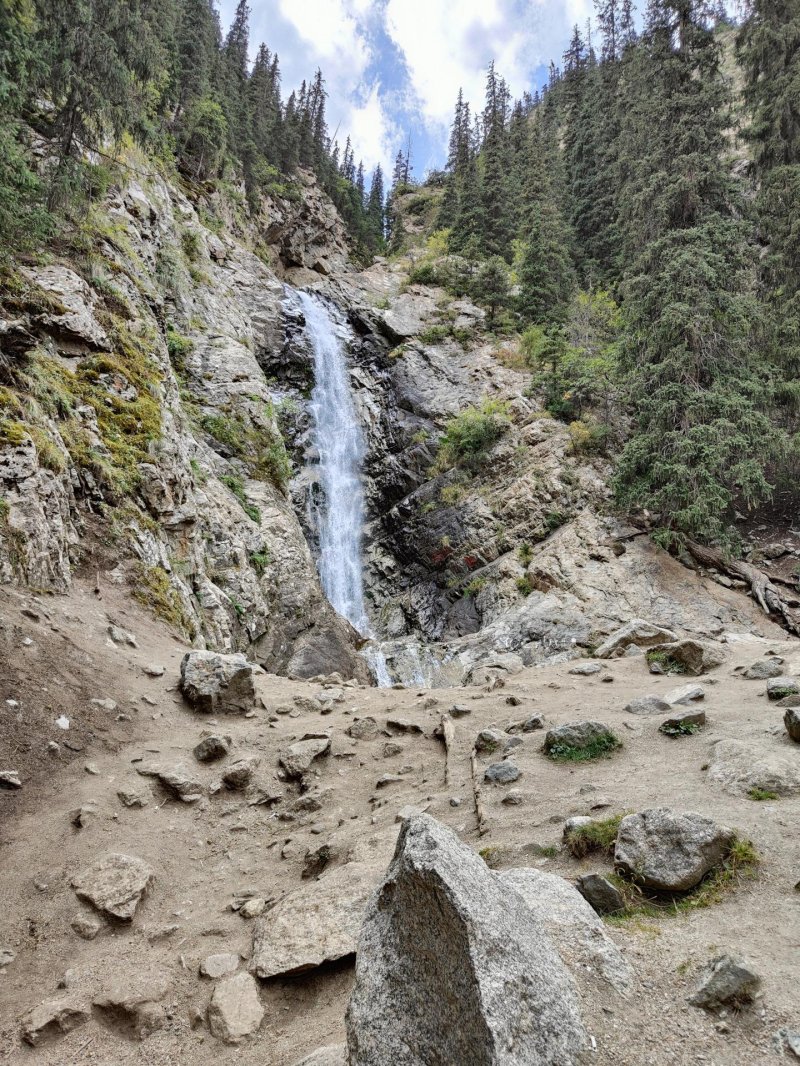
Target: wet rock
[[727, 980], [54, 1017], [220, 965], [574, 927], [738, 768], [690, 656], [239, 774], [791, 720], [87, 926], [363, 729], [669, 851], [575, 735], [502, 773], [647, 705], [212, 748], [235, 1010], [9, 779], [585, 669], [639, 632], [218, 684], [176, 779], [509, 998], [685, 694], [298, 757], [114, 884], [764, 669], [779, 688], [682, 722], [600, 894], [315, 924]]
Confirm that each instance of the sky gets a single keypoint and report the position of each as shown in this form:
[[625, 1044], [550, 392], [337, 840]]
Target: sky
[[394, 67]]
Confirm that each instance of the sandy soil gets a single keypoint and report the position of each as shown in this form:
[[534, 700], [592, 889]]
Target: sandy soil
[[204, 855]]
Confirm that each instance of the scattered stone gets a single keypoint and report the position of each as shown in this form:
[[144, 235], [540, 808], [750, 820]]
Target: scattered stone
[[601, 894], [390, 749], [512, 798], [153, 669], [253, 908], [239, 774], [637, 631], [86, 926], [682, 721], [305, 703], [690, 656], [585, 669], [575, 735], [176, 779], [82, 816], [402, 725], [669, 851], [784, 1039], [134, 1005], [657, 668], [575, 928], [526, 725], [388, 779], [298, 757], [779, 688], [647, 705], [791, 720], [235, 1010], [685, 694], [218, 684], [212, 748], [105, 705], [509, 997], [7, 956], [489, 741], [502, 773], [363, 729], [764, 669], [9, 779], [738, 768], [122, 636], [54, 1017], [727, 980], [459, 710], [114, 884], [216, 966], [133, 797], [315, 924]]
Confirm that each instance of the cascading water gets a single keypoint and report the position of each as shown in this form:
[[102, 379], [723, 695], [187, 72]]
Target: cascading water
[[340, 445]]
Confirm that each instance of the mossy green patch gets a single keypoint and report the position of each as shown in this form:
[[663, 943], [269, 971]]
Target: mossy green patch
[[153, 589], [599, 835], [597, 748]]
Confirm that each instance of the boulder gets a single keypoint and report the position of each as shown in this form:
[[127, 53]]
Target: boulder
[[211, 748], [239, 774], [314, 924], [575, 735], [764, 669], [647, 705], [54, 1017], [574, 927], [737, 768], [499, 994], [726, 980], [134, 1005], [218, 684], [176, 779], [690, 656], [639, 632], [114, 884], [585, 669], [779, 688], [791, 720], [235, 1010], [684, 695], [296, 760], [600, 894], [363, 729], [668, 851], [502, 773], [687, 721]]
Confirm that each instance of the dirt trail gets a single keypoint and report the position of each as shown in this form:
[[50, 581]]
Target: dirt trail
[[206, 854]]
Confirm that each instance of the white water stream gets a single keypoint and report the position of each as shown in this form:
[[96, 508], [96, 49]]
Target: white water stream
[[340, 445]]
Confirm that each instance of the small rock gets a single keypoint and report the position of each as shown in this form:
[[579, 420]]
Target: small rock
[[657, 668], [647, 705], [235, 1010], [490, 740], [316, 861], [298, 757], [780, 687], [211, 748], [363, 729], [677, 723], [86, 926], [216, 966], [639, 632], [727, 980], [153, 669], [791, 720], [253, 908], [585, 669], [7, 956], [133, 797], [9, 779], [133, 1004], [526, 725], [575, 735], [502, 773], [512, 798], [388, 779], [105, 705], [459, 710], [176, 779], [122, 636], [402, 725], [390, 749], [409, 811], [239, 774], [54, 1017], [114, 884], [82, 816], [764, 669], [601, 894], [685, 694]]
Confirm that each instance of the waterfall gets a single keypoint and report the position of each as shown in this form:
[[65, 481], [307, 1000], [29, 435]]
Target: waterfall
[[340, 445]]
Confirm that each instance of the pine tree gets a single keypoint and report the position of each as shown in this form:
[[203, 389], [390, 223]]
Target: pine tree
[[375, 220]]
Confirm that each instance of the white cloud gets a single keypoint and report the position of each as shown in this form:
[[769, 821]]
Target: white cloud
[[331, 30], [373, 134]]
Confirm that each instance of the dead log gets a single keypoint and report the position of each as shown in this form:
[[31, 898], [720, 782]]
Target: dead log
[[475, 773]]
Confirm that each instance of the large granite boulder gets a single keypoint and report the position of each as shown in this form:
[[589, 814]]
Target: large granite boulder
[[667, 851], [218, 684]]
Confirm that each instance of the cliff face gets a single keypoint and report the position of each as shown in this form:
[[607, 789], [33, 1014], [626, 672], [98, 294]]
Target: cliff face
[[156, 430]]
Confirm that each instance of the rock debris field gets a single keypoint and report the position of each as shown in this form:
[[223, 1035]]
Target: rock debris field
[[595, 861]]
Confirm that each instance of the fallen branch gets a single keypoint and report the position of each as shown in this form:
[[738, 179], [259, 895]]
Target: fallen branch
[[475, 772], [767, 595]]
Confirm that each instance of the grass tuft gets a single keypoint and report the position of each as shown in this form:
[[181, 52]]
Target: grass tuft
[[599, 835], [599, 748]]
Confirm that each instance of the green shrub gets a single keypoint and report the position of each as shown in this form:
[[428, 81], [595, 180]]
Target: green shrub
[[760, 794], [679, 729], [178, 346], [473, 432], [434, 334], [524, 586], [236, 485], [424, 274], [259, 561]]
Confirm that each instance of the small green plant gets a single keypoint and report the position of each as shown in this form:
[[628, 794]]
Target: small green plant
[[452, 495], [547, 851], [191, 245], [236, 485], [759, 794], [597, 748], [679, 729], [178, 346], [599, 835], [259, 561], [434, 335], [473, 432], [473, 587], [524, 585], [665, 660], [525, 553], [491, 856], [553, 520]]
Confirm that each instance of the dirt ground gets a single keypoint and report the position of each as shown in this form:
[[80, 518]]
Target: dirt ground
[[58, 656]]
